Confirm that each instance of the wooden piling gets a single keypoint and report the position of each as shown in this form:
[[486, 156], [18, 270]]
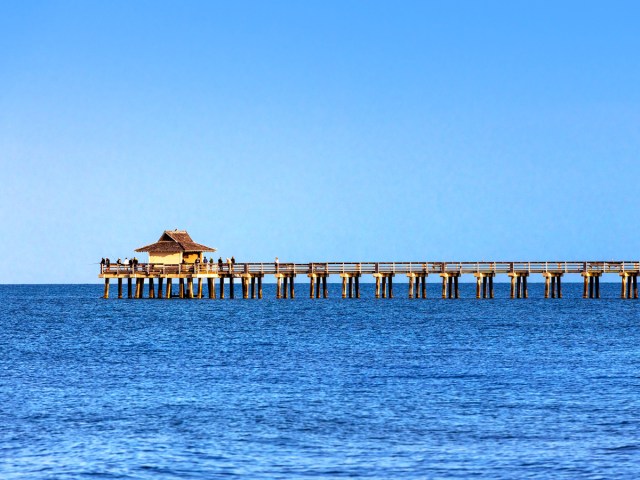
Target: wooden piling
[[168, 292], [478, 280], [253, 287], [318, 287], [513, 286], [391, 286], [232, 293], [597, 282], [211, 289], [344, 287], [377, 287], [547, 282], [106, 288], [160, 282], [424, 286], [559, 285], [222, 288], [491, 291], [119, 287], [139, 286], [278, 287], [285, 286], [444, 287], [292, 292], [260, 287], [181, 288], [325, 288], [190, 287], [358, 286], [450, 281], [525, 288], [152, 289], [485, 291], [411, 280], [350, 287], [518, 286], [635, 286], [455, 286], [200, 287], [553, 287], [384, 287], [129, 288]]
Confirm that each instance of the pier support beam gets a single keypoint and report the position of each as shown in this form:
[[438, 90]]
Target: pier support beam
[[181, 288], [552, 284], [350, 285], [222, 288], [417, 286], [152, 289], [384, 284], [629, 285], [129, 288], [591, 284], [484, 284], [519, 287], [106, 288], [232, 293], [119, 287], [160, 281], [211, 287], [450, 285], [168, 292], [199, 287]]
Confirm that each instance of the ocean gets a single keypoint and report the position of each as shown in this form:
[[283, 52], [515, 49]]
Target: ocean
[[326, 388]]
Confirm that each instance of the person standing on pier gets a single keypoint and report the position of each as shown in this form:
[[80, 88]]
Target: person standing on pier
[[277, 264], [220, 264]]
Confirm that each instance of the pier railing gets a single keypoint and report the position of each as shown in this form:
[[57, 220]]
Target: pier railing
[[337, 268]]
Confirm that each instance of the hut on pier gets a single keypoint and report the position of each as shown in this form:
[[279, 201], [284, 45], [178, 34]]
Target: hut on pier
[[174, 247]]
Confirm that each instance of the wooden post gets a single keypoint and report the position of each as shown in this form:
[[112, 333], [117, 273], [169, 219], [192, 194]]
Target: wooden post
[[377, 287], [200, 287], [635, 286], [350, 287], [450, 287], [278, 287], [168, 292], [455, 286], [160, 281], [358, 286], [210, 288], [232, 293], [384, 287], [106, 288], [119, 287], [129, 288], [260, 287], [285, 285], [391, 286], [253, 287], [587, 287], [553, 287], [478, 280], [312, 285], [292, 292], [318, 287], [152, 288], [559, 284], [222, 287], [547, 281], [519, 286], [139, 285], [484, 287], [525, 289], [513, 286], [444, 287], [344, 287], [629, 287], [410, 286], [597, 282], [325, 289], [190, 287], [424, 286], [491, 292], [181, 288]]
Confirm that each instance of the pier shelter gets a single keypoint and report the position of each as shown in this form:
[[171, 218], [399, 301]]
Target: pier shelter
[[175, 247]]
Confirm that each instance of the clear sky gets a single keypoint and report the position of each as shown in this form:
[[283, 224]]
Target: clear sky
[[317, 130]]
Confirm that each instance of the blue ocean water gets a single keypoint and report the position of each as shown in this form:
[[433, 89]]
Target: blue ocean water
[[93, 388]]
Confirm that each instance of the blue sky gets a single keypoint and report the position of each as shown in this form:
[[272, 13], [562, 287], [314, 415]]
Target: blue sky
[[318, 131]]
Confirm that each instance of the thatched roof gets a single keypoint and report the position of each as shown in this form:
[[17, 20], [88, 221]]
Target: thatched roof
[[175, 241]]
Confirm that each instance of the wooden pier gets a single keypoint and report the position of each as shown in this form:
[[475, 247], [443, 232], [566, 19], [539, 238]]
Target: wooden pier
[[190, 278], [175, 256]]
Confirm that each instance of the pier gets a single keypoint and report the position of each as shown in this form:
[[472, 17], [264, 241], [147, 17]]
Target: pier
[[176, 257]]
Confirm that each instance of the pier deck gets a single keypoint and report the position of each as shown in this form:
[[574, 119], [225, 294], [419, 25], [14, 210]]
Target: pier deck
[[383, 273]]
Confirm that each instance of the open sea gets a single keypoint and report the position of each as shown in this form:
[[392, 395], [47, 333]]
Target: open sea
[[268, 389]]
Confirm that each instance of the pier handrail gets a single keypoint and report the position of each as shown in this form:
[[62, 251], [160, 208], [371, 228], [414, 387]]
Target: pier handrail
[[396, 268]]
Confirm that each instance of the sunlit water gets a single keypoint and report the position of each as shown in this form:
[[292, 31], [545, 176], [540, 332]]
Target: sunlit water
[[318, 388]]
